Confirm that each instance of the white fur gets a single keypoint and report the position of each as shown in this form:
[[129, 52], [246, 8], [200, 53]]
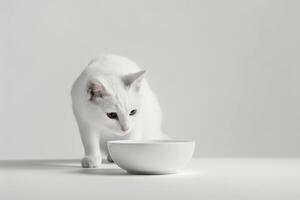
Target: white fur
[[94, 125]]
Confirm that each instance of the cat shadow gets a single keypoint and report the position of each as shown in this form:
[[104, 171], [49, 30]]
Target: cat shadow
[[40, 164], [103, 172], [71, 165]]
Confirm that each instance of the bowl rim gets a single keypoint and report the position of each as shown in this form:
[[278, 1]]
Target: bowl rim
[[153, 142]]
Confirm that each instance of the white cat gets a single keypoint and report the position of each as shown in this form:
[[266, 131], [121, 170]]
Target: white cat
[[113, 101]]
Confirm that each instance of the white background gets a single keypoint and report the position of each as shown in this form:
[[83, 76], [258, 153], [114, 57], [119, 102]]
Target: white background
[[226, 72]]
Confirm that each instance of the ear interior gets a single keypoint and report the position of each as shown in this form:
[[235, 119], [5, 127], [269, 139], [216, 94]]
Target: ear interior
[[134, 79], [96, 90]]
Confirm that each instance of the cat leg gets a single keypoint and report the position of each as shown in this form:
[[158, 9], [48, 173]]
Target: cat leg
[[90, 140], [109, 159], [104, 150]]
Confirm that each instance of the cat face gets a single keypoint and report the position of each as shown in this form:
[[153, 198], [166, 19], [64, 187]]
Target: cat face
[[117, 100]]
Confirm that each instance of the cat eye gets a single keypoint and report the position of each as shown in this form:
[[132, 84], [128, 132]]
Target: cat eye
[[132, 112], [112, 115]]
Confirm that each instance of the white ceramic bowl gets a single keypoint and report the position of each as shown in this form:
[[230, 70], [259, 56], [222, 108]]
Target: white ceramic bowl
[[151, 156]]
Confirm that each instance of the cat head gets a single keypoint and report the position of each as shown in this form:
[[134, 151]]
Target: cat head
[[117, 101]]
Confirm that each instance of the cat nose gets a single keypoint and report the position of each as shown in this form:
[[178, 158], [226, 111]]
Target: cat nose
[[124, 129]]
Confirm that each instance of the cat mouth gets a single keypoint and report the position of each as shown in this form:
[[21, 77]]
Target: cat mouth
[[123, 133]]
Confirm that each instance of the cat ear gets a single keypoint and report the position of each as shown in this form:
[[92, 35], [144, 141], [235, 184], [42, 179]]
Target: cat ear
[[134, 80], [96, 90]]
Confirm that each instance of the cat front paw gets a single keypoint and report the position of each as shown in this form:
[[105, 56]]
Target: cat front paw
[[91, 162]]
